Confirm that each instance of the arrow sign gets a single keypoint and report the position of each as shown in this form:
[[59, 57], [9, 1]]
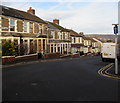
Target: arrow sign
[[115, 29]]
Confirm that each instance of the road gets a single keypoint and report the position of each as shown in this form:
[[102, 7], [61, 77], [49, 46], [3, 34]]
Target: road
[[74, 79]]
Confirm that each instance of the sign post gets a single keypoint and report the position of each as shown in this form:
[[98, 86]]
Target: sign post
[[116, 60]]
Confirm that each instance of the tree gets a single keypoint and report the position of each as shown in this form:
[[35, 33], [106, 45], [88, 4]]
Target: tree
[[9, 49]]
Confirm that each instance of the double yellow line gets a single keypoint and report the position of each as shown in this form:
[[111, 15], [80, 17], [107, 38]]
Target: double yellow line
[[105, 69]]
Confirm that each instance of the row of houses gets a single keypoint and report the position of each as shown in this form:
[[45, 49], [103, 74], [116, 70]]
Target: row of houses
[[34, 35]]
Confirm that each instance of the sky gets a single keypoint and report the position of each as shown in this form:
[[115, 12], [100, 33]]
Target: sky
[[88, 16]]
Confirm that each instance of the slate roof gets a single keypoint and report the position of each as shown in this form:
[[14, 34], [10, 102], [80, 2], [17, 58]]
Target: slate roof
[[93, 40], [74, 33], [59, 27], [103, 37], [86, 38], [50, 26], [7, 11]]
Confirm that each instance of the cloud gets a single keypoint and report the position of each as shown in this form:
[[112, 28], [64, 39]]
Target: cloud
[[94, 18], [88, 17], [60, 0]]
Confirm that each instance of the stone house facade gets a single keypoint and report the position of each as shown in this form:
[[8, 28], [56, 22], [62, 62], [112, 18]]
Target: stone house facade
[[77, 42], [27, 30], [60, 41]]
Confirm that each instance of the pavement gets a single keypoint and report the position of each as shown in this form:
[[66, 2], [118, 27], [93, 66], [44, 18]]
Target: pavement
[[39, 60], [109, 71], [112, 70], [69, 79]]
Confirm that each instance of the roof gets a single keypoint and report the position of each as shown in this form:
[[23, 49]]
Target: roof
[[59, 27], [86, 38], [93, 40], [74, 33], [6, 11], [50, 26]]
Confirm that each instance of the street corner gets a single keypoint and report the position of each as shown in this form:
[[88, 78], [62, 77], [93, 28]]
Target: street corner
[[109, 71]]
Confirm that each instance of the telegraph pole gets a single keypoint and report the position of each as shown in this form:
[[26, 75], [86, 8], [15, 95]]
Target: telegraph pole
[[116, 60]]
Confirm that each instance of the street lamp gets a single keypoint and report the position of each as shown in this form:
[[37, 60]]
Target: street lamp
[[116, 60]]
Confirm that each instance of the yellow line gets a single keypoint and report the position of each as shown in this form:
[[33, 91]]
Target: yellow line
[[106, 68]]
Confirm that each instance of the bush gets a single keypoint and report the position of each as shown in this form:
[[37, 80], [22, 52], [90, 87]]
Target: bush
[[81, 53], [9, 49]]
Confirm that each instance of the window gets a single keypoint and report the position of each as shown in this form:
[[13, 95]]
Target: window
[[80, 40], [51, 48], [25, 26], [55, 48], [12, 25], [43, 44], [61, 36], [31, 27], [40, 28], [53, 34], [66, 36], [74, 41]]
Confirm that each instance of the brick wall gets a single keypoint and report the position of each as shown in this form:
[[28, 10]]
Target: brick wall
[[12, 59], [52, 55]]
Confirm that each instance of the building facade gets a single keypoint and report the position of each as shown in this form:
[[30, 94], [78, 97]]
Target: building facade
[[25, 29], [77, 42], [60, 41]]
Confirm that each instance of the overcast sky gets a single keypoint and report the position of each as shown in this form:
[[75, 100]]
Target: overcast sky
[[90, 16]]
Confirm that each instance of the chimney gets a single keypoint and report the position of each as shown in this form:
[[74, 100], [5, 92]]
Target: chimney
[[56, 21], [31, 11]]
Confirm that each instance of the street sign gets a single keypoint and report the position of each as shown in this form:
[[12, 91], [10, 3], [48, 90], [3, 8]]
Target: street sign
[[116, 60], [115, 29]]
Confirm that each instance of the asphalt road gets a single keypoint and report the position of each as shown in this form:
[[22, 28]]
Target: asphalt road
[[64, 80]]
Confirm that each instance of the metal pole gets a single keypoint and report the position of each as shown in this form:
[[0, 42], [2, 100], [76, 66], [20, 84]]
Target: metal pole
[[116, 60]]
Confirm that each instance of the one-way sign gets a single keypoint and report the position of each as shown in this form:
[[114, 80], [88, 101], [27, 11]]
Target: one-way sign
[[115, 29]]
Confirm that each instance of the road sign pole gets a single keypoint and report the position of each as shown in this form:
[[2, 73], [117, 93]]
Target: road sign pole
[[116, 60]]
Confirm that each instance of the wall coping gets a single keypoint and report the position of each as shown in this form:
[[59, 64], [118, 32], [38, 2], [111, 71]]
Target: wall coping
[[19, 56], [7, 56], [26, 55]]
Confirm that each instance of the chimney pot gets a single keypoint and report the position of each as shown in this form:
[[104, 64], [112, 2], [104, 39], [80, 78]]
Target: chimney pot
[[31, 11], [56, 21]]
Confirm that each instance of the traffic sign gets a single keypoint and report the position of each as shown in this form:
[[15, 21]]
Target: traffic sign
[[115, 29]]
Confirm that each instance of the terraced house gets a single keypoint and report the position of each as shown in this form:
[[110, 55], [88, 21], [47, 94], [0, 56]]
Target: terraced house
[[33, 35], [77, 42], [60, 41], [87, 45], [27, 30]]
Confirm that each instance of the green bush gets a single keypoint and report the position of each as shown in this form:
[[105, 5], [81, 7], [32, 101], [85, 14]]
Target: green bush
[[9, 49], [81, 53]]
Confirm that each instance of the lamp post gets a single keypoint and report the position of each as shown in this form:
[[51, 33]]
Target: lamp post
[[116, 60]]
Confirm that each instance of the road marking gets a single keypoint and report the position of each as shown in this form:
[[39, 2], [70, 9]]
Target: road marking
[[105, 69]]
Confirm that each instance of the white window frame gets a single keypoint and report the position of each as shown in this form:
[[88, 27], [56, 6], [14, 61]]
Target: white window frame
[[40, 28], [12, 25], [30, 27], [25, 26]]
